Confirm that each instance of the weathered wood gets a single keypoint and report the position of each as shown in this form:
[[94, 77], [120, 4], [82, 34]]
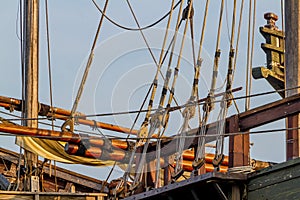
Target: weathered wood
[[4, 195], [31, 66], [269, 113], [292, 71], [83, 183], [281, 181], [238, 145], [281, 191]]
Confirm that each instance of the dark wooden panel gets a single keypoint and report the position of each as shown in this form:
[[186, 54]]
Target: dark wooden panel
[[284, 190]]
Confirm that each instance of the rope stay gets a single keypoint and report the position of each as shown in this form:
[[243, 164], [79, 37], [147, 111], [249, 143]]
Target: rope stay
[[190, 109], [143, 132], [156, 118], [70, 122], [225, 104], [209, 104]]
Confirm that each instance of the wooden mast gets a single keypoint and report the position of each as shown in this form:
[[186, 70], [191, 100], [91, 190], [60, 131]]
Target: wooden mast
[[31, 62], [292, 71]]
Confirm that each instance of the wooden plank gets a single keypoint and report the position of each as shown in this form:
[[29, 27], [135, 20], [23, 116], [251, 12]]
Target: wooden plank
[[285, 190], [237, 152], [274, 177], [269, 113]]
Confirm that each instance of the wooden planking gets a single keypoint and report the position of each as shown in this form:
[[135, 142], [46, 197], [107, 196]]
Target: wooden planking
[[285, 190], [64, 174], [279, 182]]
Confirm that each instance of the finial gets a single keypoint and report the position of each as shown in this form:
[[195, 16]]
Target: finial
[[271, 20]]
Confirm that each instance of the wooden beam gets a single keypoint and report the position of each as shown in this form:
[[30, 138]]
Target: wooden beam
[[31, 66], [292, 71], [238, 145]]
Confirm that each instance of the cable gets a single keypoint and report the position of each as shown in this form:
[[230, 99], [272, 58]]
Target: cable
[[134, 29], [200, 102]]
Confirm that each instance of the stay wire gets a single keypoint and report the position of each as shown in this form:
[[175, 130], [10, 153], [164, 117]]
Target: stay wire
[[247, 100], [199, 58], [89, 63], [174, 108], [209, 104], [134, 29], [23, 88], [153, 87], [237, 46], [49, 60]]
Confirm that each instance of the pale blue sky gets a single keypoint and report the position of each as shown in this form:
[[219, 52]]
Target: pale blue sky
[[122, 68]]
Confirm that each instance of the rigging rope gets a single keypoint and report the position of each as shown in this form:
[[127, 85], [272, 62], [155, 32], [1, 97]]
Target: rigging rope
[[237, 45], [174, 108], [70, 122], [140, 28], [144, 129], [49, 61], [189, 111], [207, 108], [226, 104], [155, 123]]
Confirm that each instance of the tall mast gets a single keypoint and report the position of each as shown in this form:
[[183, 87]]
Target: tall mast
[[292, 71], [31, 64]]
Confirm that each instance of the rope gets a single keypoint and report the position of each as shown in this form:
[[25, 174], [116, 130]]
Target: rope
[[200, 152], [23, 88], [237, 46], [135, 29], [252, 46], [49, 61], [199, 58], [226, 104], [155, 123], [143, 129], [247, 100], [176, 71], [86, 72], [174, 108]]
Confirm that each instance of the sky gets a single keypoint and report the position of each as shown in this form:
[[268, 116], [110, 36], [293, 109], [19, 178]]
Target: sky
[[122, 69]]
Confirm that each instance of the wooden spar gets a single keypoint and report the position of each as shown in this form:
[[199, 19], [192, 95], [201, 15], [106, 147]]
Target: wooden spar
[[96, 152], [31, 67], [34, 132], [60, 136], [86, 150], [292, 73], [59, 113]]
